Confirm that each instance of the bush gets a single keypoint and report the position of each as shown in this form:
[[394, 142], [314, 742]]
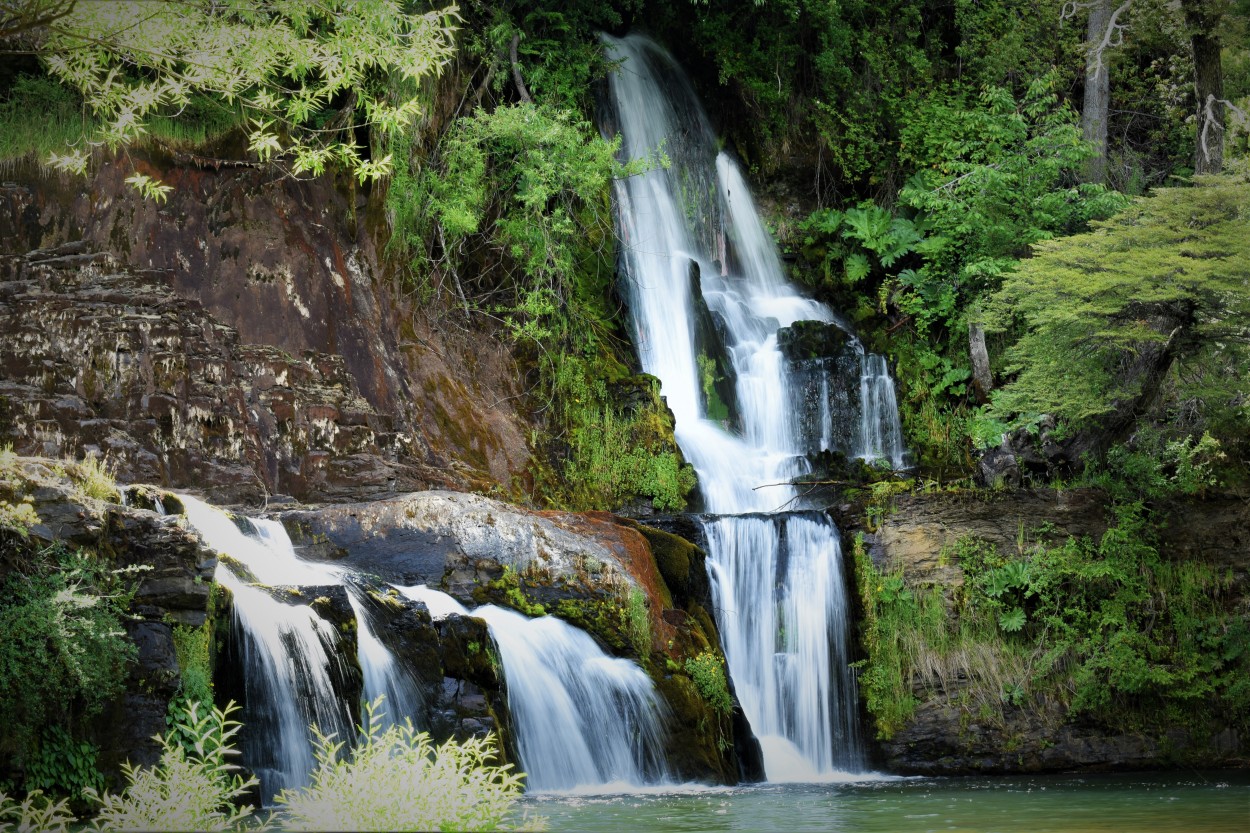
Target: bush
[[184, 791], [95, 479], [65, 652], [34, 812], [396, 779], [707, 671]]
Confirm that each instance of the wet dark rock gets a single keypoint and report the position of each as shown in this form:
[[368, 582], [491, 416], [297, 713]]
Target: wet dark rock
[[711, 338], [998, 468], [587, 568], [805, 340]]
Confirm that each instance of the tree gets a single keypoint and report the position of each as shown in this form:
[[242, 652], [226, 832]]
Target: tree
[[308, 75], [1106, 315], [18, 18], [1203, 19], [1104, 30]]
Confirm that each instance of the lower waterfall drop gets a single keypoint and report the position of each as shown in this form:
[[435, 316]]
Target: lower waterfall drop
[[583, 721], [293, 670]]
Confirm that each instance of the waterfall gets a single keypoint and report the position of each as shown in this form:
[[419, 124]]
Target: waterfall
[[880, 436], [694, 248], [583, 721], [293, 667]]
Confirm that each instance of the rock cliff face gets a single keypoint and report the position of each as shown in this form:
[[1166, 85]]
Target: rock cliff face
[[945, 736], [239, 339]]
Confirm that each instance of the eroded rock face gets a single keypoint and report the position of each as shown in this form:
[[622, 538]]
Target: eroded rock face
[[947, 735], [100, 358], [251, 307]]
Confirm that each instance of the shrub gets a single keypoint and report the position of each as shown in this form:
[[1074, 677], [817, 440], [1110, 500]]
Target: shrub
[[707, 670], [184, 791], [95, 479], [65, 652], [34, 812], [396, 779], [639, 623]]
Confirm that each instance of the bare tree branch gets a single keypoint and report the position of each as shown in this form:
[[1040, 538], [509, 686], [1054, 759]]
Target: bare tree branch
[[1112, 37], [17, 16], [516, 70]]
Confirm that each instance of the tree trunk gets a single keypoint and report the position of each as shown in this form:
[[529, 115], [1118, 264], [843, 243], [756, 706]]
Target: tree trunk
[[1203, 19], [1209, 85], [982, 381], [521, 89], [1097, 91]]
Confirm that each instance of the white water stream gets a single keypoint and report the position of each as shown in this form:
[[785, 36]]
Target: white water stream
[[777, 579], [584, 721]]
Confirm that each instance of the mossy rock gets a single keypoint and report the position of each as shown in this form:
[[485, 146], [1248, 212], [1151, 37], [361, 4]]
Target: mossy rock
[[699, 743], [606, 620], [805, 340], [675, 557]]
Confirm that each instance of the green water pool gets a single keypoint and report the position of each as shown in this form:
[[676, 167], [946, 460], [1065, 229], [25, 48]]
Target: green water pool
[[1202, 802]]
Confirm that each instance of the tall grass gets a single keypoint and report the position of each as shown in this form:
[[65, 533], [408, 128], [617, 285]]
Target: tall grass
[[42, 116], [920, 640]]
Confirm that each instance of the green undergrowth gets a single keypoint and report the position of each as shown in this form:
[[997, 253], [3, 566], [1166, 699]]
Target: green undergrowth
[[1112, 631], [509, 221], [65, 655], [707, 671], [390, 778], [66, 121]]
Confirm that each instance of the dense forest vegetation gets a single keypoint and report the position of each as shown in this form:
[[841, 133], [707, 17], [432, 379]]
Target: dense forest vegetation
[[929, 147], [1039, 211]]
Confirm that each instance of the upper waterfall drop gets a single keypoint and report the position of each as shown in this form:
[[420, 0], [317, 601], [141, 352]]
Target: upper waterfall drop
[[693, 250]]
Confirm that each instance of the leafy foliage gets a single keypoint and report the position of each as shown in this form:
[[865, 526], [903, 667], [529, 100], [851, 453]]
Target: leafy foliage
[[65, 651], [1105, 314], [913, 645], [306, 74], [520, 204], [395, 778], [95, 479], [63, 765], [34, 812], [1111, 630], [196, 790], [707, 671]]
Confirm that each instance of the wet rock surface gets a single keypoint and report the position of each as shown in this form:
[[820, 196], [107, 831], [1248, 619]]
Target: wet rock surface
[[240, 339], [598, 572]]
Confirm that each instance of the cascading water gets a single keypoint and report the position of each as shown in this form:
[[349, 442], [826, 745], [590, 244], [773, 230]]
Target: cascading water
[[583, 720], [291, 657], [694, 249]]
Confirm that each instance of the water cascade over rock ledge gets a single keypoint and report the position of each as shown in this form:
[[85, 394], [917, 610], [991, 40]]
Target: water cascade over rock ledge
[[319, 627], [694, 249]]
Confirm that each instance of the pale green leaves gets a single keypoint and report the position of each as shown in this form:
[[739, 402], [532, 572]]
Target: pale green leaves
[[1172, 271], [150, 188], [307, 74], [397, 779]]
